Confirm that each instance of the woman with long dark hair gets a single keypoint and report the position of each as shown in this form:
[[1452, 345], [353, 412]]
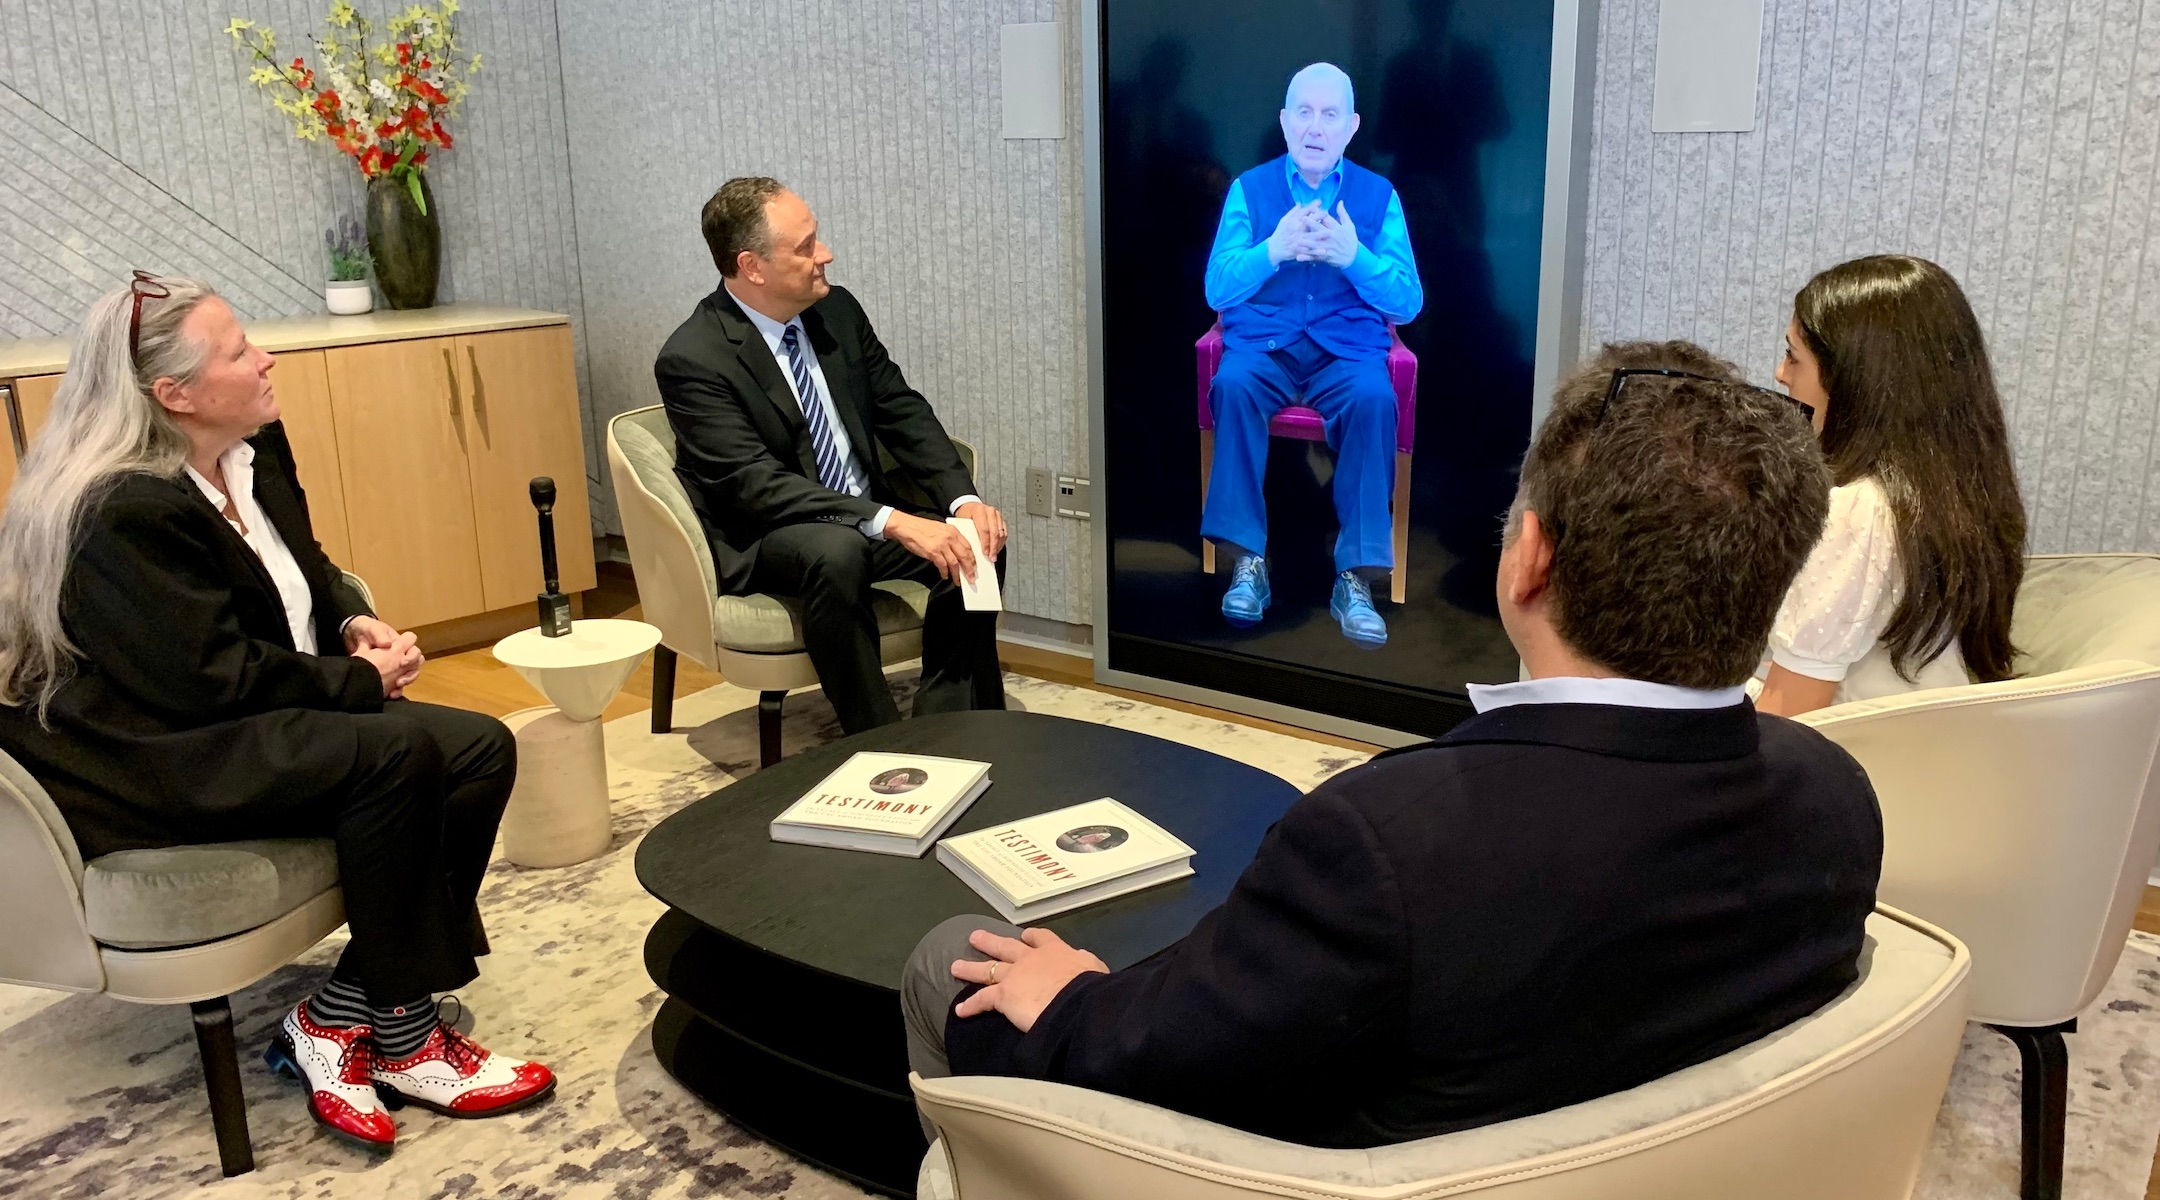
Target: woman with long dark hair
[[1913, 581]]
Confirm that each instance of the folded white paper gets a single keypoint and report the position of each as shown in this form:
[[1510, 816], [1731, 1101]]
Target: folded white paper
[[981, 595]]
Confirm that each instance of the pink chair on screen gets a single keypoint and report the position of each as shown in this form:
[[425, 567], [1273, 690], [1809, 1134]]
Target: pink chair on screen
[[1302, 423]]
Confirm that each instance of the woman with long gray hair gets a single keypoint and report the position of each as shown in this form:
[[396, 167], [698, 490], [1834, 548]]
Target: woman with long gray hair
[[180, 663]]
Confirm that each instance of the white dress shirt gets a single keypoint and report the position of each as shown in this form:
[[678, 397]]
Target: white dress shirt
[[238, 467], [857, 481], [1831, 623], [1577, 689]]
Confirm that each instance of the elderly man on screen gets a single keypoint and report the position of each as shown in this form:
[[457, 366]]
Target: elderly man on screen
[[1310, 267]]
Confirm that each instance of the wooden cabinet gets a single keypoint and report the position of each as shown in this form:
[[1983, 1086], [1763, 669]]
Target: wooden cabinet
[[415, 436], [30, 403], [303, 393], [33, 398], [444, 528], [410, 509], [519, 382]]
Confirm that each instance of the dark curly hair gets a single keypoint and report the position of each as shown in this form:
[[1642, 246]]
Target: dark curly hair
[[1679, 516]]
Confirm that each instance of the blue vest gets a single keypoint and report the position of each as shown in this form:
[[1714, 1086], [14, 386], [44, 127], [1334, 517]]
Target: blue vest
[[1310, 298]]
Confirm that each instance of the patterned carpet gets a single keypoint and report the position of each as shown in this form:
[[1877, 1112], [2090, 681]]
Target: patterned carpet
[[106, 1099]]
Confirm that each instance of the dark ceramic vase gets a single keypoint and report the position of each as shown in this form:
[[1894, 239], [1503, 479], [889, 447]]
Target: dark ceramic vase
[[406, 245]]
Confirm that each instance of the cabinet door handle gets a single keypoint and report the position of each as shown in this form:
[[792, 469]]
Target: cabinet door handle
[[479, 395], [14, 420], [457, 411]]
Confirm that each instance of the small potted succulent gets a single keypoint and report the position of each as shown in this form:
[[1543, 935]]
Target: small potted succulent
[[347, 292]]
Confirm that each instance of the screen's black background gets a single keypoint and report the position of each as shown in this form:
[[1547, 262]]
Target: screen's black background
[[1453, 97]]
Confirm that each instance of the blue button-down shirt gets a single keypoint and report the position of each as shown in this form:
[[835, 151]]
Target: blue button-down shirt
[[1384, 272]]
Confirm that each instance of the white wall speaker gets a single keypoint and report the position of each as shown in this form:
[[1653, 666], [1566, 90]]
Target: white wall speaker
[[1034, 62], [1709, 54]]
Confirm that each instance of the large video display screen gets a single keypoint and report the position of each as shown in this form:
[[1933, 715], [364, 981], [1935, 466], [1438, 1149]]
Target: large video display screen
[[1320, 234]]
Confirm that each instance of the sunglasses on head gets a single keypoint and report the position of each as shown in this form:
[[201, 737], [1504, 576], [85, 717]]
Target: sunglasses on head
[[144, 287], [1623, 374]]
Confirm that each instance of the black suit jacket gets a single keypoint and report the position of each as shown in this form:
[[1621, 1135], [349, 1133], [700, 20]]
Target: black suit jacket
[[189, 706], [743, 452], [1552, 903]]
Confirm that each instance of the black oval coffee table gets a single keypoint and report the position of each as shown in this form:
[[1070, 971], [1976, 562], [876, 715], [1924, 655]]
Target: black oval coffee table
[[782, 962]]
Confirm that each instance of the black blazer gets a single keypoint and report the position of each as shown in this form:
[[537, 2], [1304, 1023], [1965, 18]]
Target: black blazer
[[189, 704], [1551, 903], [743, 452]]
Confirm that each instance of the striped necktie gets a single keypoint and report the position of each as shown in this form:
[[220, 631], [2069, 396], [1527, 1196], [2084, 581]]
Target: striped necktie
[[832, 469]]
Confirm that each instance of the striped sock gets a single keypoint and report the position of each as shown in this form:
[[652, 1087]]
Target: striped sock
[[341, 1004], [400, 1029]]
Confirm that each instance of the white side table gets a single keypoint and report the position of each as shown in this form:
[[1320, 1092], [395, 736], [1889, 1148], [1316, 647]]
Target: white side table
[[558, 812]]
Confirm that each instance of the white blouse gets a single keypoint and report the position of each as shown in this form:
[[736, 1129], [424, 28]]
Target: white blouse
[[238, 467], [1831, 624]]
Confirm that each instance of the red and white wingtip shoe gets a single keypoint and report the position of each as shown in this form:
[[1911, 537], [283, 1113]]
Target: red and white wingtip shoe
[[453, 1075], [336, 1066]]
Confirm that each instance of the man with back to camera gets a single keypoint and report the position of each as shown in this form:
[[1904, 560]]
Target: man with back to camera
[[1310, 268], [1616, 869], [780, 395]]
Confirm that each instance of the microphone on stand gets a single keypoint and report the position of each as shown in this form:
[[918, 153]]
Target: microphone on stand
[[554, 606]]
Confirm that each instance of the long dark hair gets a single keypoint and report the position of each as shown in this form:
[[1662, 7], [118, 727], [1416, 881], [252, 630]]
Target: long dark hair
[[1913, 404]]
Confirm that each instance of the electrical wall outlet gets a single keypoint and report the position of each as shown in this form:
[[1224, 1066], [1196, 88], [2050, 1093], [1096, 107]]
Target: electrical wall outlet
[[1041, 496], [1074, 497]]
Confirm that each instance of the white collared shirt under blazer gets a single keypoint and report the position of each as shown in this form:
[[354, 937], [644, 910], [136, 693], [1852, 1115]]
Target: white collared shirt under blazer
[[1831, 624], [254, 528]]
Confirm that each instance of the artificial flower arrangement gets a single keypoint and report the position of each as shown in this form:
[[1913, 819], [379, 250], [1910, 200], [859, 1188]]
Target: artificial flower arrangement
[[381, 103]]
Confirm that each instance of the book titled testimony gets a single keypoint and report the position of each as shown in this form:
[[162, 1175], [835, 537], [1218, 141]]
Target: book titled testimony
[[1061, 860], [884, 803]]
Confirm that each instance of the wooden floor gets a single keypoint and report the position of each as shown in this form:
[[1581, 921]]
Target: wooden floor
[[472, 679]]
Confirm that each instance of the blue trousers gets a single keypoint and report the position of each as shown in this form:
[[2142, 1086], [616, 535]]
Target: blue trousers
[[1357, 403]]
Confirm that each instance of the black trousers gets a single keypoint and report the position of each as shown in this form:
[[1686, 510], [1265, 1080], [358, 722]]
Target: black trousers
[[415, 825], [830, 568]]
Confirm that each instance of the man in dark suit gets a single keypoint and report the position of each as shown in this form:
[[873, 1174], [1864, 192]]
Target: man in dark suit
[[1616, 869], [781, 397]]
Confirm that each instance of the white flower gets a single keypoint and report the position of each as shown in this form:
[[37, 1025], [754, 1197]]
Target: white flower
[[381, 91]]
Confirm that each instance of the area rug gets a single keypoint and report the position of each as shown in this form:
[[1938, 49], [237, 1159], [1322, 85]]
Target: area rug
[[101, 1098]]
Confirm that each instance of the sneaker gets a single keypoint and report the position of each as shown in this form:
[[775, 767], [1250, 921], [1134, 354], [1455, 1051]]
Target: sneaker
[[1352, 605], [335, 1065], [451, 1074], [1247, 600]]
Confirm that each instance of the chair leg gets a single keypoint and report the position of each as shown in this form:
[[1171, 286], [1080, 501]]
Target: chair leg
[[1207, 472], [663, 689], [1399, 586], [2046, 1096], [221, 1071], [768, 727]]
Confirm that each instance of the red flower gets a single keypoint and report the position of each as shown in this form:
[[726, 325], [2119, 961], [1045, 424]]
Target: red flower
[[415, 118], [371, 163], [442, 136], [404, 53], [420, 159]]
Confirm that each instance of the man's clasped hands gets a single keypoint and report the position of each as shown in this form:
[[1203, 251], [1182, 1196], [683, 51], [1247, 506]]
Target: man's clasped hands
[[1308, 234]]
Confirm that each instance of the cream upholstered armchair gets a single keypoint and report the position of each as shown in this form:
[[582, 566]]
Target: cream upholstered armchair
[[179, 925], [2024, 816], [1840, 1103], [752, 641]]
